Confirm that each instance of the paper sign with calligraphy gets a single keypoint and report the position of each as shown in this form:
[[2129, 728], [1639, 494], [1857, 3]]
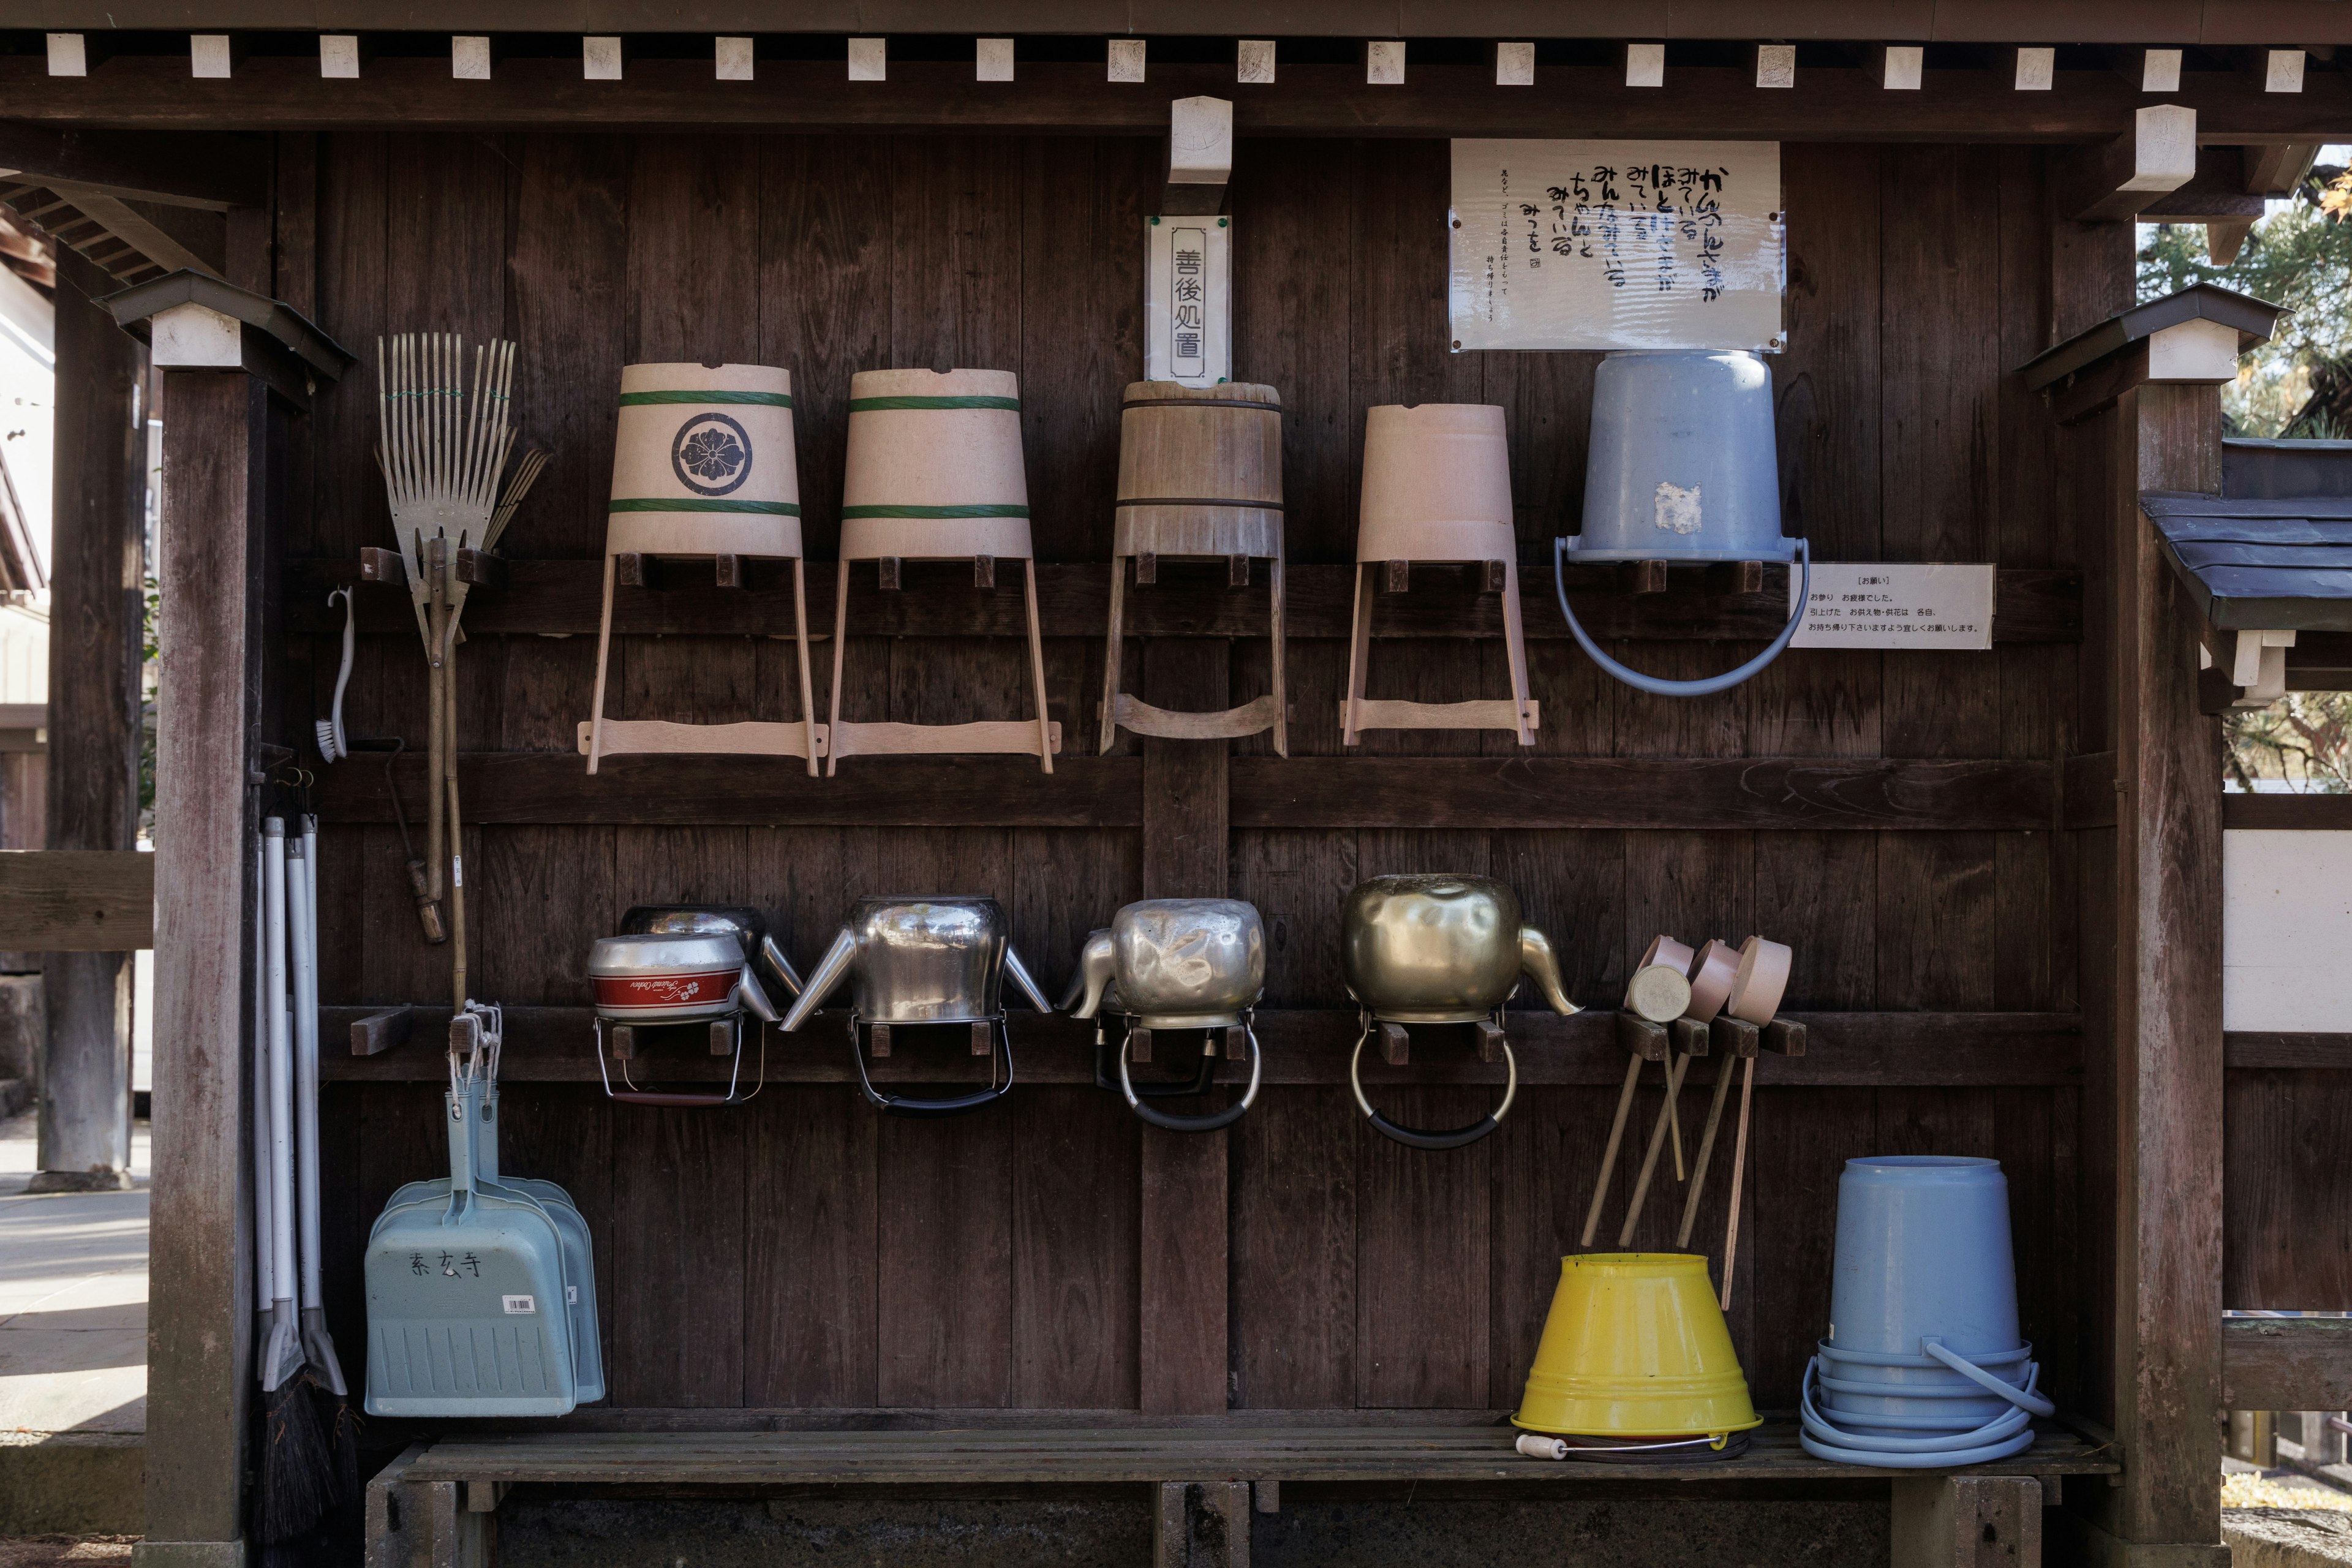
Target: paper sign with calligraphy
[[1616, 245], [1895, 605], [1187, 313]]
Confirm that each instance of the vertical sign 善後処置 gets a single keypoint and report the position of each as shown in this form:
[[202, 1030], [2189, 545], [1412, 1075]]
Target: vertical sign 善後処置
[[1188, 300], [1616, 245]]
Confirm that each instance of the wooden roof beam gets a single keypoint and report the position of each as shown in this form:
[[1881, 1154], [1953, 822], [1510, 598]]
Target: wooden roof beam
[[199, 169]]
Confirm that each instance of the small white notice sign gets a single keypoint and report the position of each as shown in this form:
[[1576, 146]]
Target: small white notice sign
[[1895, 605], [1188, 312], [1616, 245]]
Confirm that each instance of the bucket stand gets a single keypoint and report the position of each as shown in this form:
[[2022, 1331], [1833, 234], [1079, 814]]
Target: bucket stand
[[1500, 574], [958, 540], [731, 542], [1122, 709]]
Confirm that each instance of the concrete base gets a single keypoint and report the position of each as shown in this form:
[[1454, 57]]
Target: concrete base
[[188, 1554], [2287, 1537], [73, 1483], [79, 1181]]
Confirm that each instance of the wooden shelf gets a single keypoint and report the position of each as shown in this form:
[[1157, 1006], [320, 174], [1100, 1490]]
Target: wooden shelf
[[2032, 605], [1805, 794], [1303, 1045]]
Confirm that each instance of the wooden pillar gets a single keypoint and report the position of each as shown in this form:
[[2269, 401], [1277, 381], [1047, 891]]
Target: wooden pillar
[[200, 1319], [1964, 1522], [97, 554], [1183, 1281]]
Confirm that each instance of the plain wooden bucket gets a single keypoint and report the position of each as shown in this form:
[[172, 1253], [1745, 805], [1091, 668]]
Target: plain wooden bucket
[[1199, 470], [1437, 484], [934, 469]]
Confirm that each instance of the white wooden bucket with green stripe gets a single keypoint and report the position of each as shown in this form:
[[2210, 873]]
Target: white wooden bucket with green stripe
[[703, 463], [934, 469]]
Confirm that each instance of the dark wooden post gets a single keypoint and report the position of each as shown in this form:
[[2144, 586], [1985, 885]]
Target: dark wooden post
[[98, 560], [2151, 931], [1183, 1201]]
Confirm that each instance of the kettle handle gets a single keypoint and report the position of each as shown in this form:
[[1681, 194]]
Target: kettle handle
[[1658, 685], [1209, 1122], [1413, 1137], [909, 1105]]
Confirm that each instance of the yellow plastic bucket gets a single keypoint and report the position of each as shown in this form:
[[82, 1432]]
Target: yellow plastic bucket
[[1635, 1347]]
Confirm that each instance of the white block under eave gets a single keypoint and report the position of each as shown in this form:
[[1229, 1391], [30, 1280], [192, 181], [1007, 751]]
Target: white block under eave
[[339, 55], [2198, 350], [1901, 69], [2159, 70], [1253, 61], [1384, 62], [469, 56], [2282, 72], [1646, 65], [735, 59], [2287, 925], [1775, 65], [869, 59], [992, 60], [2037, 70], [67, 57], [600, 59], [193, 336], [208, 55], [1515, 64], [1126, 60]]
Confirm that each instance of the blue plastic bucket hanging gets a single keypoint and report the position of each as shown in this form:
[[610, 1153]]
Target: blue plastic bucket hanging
[[1922, 1367], [1682, 466]]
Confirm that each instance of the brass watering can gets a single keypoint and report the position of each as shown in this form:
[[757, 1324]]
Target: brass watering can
[[1176, 964], [1440, 949]]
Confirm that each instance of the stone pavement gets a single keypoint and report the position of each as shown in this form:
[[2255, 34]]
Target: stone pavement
[[73, 1348]]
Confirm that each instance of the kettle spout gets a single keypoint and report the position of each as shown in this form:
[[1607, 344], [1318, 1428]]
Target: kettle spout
[[1018, 973], [748, 996], [1095, 962], [1537, 958], [830, 972]]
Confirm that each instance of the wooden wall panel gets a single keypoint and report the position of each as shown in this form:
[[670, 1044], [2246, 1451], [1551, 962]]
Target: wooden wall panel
[[806, 1252]]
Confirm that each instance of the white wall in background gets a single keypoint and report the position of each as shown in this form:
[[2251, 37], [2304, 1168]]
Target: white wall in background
[[2286, 931]]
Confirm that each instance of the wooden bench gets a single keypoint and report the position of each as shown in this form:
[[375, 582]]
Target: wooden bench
[[426, 1510]]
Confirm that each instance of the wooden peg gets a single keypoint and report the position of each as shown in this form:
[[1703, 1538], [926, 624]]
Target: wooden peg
[[722, 1036], [625, 1041], [1784, 1039], [1237, 1042], [1736, 577], [1734, 1036], [886, 569], [1640, 1038], [1490, 1040], [1690, 1036], [1494, 576], [1396, 577], [983, 1037], [1139, 1045], [983, 571], [1396, 1045], [378, 565], [379, 1032], [877, 1040], [1146, 569], [481, 568], [733, 570], [629, 568], [1237, 571], [1645, 577]]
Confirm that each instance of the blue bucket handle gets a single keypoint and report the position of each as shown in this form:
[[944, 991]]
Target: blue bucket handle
[[1998, 1439], [1657, 685], [2023, 1398]]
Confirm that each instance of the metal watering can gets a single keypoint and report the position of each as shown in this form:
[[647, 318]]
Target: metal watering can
[[1176, 964], [922, 961], [1682, 466], [1923, 1367]]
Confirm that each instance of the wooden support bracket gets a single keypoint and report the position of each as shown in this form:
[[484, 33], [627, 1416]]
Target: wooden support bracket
[[379, 1032], [1138, 1044], [1147, 568], [484, 1496], [1784, 1039], [378, 565], [722, 1036], [623, 1038], [877, 1040], [1237, 571], [1736, 577], [886, 570], [2116, 180], [1493, 577], [1396, 1045], [629, 568], [984, 1038], [731, 571], [1690, 1036], [1396, 576], [1640, 1037], [1735, 1037], [1490, 1040], [1644, 577], [482, 568], [983, 571]]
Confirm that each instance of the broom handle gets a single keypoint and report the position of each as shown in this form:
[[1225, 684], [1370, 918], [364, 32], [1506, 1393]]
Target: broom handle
[[1705, 1148], [436, 821], [1738, 1171], [1675, 1068], [442, 572], [1609, 1155]]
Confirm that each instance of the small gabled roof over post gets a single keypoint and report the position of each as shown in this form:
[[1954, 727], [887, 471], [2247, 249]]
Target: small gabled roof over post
[[2195, 335], [195, 320]]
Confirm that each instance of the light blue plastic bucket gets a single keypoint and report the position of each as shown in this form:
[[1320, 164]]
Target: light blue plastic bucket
[[1922, 1366], [1682, 466]]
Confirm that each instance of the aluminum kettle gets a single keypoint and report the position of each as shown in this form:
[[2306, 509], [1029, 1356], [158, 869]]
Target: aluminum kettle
[[936, 959], [1176, 964]]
